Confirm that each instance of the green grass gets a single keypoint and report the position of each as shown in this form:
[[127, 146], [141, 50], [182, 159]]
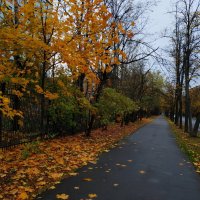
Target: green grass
[[189, 145]]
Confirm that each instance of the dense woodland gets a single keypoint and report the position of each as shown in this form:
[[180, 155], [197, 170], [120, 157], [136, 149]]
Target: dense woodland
[[71, 66]]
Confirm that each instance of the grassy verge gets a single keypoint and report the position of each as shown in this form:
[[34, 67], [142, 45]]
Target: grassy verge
[[189, 145], [28, 170]]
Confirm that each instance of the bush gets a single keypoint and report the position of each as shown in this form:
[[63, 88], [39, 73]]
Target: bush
[[113, 103], [68, 113], [30, 148]]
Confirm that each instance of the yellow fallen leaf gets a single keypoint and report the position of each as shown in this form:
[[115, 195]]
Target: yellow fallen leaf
[[33, 171], [52, 187], [92, 196], [28, 189], [2, 175], [90, 168], [76, 188], [118, 164], [23, 196], [60, 161], [129, 160], [41, 183], [62, 196], [56, 175], [14, 191], [142, 172], [93, 162], [73, 174], [115, 184], [87, 179]]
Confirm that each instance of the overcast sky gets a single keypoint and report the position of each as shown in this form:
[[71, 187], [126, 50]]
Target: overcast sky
[[160, 19]]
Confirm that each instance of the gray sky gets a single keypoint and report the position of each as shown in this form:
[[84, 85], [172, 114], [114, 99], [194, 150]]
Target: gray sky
[[160, 20]]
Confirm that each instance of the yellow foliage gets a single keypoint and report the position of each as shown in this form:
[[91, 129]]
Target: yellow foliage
[[62, 196], [23, 196], [50, 95]]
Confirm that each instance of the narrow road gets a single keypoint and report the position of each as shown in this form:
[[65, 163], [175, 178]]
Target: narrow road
[[147, 165]]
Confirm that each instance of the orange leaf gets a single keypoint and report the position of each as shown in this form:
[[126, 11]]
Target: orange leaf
[[62, 196], [23, 196], [92, 196]]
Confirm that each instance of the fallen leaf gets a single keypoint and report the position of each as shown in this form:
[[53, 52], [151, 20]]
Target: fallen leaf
[[115, 184], [28, 189], [129, 160], [73, 174], [62, 196], [2, 175], [23, 196], [87, 179], [181, 164], [90, 168], [92, 196], [41, 183], [142, 172], [56, 175], [13, 192], [52, 187], [93, 162], [76, 188]]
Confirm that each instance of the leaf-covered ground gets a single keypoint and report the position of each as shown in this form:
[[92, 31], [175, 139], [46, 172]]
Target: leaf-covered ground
[[190, 145], [23, 175]]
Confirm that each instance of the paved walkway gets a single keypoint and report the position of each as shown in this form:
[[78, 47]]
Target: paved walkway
[[146, 166]]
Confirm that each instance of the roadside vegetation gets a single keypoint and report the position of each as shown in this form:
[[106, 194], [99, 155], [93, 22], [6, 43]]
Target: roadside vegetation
[[181, 99], [27, 170], [188, 144]]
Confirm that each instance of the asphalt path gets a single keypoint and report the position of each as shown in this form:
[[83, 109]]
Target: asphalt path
[[147, 165]]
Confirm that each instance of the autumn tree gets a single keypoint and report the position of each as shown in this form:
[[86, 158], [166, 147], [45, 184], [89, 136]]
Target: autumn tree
[[188, 11], [51, 51], [195, 99], [133, 16], [177, 40]]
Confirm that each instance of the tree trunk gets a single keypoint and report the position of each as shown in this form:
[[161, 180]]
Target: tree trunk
[[97, 96], [42, 103], [80, 82], [181, 101], [196, 126], [188, 115], [90, 125], [16, 100], [16, 106], [3, 88]]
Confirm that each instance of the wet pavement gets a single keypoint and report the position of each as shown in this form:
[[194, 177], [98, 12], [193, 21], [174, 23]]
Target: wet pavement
[[147, 165]]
